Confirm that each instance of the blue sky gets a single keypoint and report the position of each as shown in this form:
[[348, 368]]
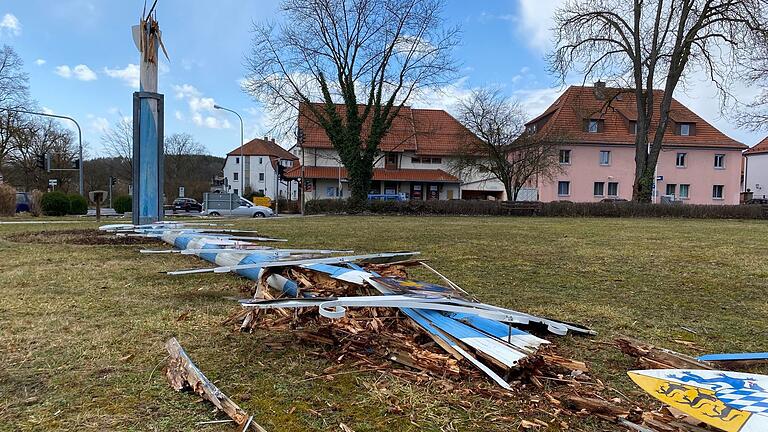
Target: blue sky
[[82, 62]]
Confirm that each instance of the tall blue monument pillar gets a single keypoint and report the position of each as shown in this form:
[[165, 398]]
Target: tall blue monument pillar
[[147, 128]]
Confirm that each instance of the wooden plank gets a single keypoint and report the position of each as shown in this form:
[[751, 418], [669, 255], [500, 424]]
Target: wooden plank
[[182, 373]]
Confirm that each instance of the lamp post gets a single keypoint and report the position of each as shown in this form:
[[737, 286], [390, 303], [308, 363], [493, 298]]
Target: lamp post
[[242, 138], [79, 138]]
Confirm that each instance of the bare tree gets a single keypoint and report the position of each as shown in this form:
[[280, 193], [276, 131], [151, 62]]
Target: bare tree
[[182, 144], [35, 137], [497, 145], [14, 83], [118, 144], [639, 44], [369, 55]]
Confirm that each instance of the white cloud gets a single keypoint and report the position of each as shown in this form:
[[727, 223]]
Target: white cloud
[[40, 62], [10, 25], [46, 110], [535, 101], [535, 22], [129, 75], [201, 109], [80, 72], [100, 124], [178, 115], [446, 97]]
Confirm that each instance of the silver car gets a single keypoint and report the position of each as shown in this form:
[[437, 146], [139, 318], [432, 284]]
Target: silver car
[[246, 209]]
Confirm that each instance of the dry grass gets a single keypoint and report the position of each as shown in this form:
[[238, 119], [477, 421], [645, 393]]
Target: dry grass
[[82, 327]]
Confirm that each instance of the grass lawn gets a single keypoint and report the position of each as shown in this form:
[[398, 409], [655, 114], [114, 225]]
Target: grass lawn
[[82, 327]]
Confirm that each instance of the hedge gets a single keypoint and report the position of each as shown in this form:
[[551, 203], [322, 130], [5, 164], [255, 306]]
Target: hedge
[[551, 209], [78, 205], [55, 203], [122, 204]]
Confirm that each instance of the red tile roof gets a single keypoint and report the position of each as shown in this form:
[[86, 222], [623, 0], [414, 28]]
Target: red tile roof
[[426, 131], [761, 147], [260, 147], [566, 115], [327, 172]]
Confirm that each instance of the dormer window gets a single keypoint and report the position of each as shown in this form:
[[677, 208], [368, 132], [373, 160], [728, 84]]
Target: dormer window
[[686, 129], [593, 125], [531, 128], [633, 127]]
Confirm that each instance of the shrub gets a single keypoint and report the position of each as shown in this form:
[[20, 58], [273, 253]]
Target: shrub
[[35, 206], [7, 200], [553, 209], [122, 204], [78, 205], [55, 203]]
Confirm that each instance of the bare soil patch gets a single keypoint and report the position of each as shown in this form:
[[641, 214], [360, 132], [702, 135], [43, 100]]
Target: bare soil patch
[[86, 237]]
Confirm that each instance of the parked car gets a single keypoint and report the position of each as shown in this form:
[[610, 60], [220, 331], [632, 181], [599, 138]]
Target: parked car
[[187, 205], [245, 209], [22, 202]]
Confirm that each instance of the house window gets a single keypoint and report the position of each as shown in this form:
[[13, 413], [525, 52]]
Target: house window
[[261, 177], [680, 161], [719, 161], [424, 160], [613, 189], [599, 189], [671, 188], [717, 192], [633, 127], [261, 192], [391, 161], [236, 192], [685, 129], [261, 160], [593, 126], [565, 157], [564, 188], [237, 160], [234, 176], [684, 190], [605, 157]]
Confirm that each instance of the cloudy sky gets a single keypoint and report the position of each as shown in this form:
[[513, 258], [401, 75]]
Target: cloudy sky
[[82, 62]]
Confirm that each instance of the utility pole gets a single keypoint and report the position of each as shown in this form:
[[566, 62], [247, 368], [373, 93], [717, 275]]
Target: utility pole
[[302, 185]]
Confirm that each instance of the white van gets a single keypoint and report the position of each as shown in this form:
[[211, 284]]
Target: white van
[[217, 204]]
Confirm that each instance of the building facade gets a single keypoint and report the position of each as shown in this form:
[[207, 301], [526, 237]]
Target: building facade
[[756, 170], [416, 161], [596, 126], [254, 167]]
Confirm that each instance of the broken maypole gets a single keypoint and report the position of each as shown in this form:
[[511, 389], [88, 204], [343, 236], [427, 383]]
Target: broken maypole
[[148, 125]]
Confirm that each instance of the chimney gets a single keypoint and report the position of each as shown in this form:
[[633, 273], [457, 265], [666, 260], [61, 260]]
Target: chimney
[[273, 139], [266, 138], [599, 89]]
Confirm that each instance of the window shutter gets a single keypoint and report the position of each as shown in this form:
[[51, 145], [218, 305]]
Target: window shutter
[[585, 125], [600, 126], [677, 128], [692, 129]]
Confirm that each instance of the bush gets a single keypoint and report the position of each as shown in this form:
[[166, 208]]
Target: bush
[[55, 203], [122, 204], [551, 209], [35, 205], [78, 205], [285, 206], [7, 200]]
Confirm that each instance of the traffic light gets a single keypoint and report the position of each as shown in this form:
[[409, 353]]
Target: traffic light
[[300, 136], [112, 181], [280, 171], [76, 164], [43, 162]]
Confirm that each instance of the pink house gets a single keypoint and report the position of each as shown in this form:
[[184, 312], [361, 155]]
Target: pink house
[[698, 163]]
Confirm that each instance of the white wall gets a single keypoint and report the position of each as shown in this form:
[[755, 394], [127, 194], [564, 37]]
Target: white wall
[[757, 175], [260, 175]]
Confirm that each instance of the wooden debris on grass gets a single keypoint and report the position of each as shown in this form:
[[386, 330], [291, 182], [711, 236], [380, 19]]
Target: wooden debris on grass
[[651, 357], [183, 374]]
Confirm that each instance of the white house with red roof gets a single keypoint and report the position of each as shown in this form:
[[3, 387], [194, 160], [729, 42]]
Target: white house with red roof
[[698, 164], [415, 161], [756, 170], [258, 161]]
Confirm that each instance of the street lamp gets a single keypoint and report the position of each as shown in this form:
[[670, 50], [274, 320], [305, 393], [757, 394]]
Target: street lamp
[[242, 144], [79, 137]]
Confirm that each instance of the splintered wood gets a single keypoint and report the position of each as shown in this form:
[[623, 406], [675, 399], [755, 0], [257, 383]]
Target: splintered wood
[[183, 374]]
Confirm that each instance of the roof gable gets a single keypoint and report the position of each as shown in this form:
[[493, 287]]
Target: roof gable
[[423, 131], [261, 147], [761, 147], [617, 109]]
